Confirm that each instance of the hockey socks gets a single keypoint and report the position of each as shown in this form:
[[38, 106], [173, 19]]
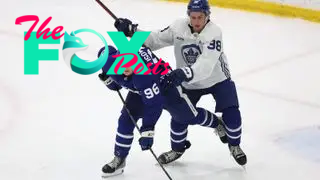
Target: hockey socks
[[207, 119], [232, 122]]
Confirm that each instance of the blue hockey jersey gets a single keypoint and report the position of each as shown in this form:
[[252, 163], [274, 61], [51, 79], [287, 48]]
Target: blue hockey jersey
[[149, 87]]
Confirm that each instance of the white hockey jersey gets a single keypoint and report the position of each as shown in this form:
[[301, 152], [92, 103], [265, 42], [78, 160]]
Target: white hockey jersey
[[202, 52]]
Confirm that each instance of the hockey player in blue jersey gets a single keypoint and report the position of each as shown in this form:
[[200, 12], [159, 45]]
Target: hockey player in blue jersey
[[201, 65], [148, 96]]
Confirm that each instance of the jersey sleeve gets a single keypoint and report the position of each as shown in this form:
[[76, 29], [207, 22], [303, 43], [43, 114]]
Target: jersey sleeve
[[205, 63], [152, 99], [160, 38]]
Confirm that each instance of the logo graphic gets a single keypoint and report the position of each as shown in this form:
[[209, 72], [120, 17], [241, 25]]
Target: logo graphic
[[129, 56], [73, 44], [190, 53]]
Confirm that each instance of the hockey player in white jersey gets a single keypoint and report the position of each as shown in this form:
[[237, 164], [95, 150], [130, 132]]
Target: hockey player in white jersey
[[202, 68]]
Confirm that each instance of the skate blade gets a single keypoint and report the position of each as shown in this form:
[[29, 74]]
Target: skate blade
[[116, 173]]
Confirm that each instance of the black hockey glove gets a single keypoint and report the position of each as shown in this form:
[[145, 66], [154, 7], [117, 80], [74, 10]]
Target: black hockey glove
[[109, 82], [177, 76], [146, 139], [126, 26]]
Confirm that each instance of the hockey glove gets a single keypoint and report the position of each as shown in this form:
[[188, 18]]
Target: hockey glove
[[126, 26], [109, 82], [146, 140], [177, 76]]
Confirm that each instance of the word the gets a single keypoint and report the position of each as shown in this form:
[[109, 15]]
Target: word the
[[34, 18]]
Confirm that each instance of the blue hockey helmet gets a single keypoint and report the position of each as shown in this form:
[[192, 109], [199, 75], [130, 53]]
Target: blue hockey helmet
[[199, 6], [111, 60]]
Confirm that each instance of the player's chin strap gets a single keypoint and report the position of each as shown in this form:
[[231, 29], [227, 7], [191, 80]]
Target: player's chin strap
[[124, 104]]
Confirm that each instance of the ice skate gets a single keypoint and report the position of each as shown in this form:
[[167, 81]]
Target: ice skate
[[221, 131], [115, 167], [170, 156], [238, 155]]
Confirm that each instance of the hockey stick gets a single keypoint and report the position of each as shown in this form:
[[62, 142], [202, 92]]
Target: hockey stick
[[114, 16], [123, 101], [134, 122], [107, 9]]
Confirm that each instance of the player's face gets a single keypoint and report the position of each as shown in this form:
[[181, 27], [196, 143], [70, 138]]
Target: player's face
[[128, 71], [197, 20]]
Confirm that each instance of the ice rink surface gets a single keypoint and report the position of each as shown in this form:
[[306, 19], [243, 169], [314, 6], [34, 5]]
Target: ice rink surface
[[59, 125]]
